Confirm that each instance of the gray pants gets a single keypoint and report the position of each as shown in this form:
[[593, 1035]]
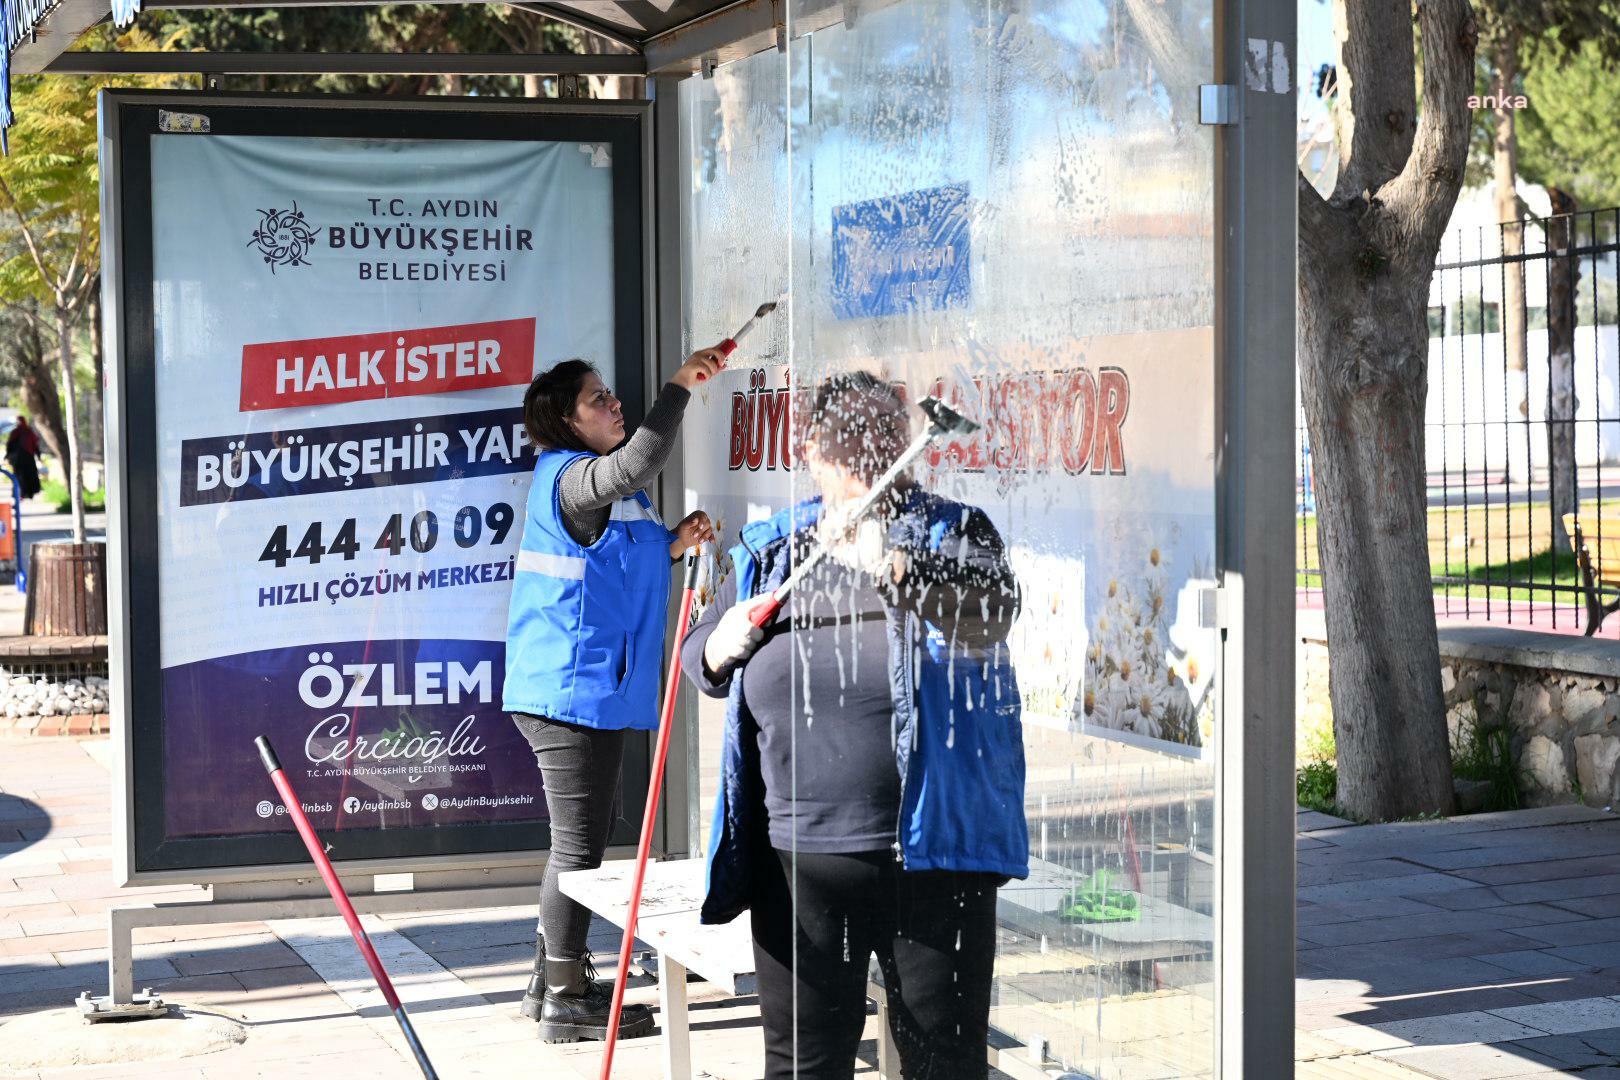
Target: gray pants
[[581, 768]]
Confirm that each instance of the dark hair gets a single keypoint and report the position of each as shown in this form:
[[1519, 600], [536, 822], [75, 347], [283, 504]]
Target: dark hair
[[549, 402], [858, 421]]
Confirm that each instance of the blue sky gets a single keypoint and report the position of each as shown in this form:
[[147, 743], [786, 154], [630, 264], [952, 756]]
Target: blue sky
[[1315, 38]]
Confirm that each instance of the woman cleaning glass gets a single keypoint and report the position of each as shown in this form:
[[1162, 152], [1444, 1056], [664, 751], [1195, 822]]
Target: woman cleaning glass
[[584, 644]]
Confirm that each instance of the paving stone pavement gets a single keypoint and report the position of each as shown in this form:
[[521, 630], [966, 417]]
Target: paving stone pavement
[[1477, 948], [295, 984], [1486, 947]]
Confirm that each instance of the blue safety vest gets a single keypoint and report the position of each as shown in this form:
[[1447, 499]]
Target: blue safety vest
[[585, 636]]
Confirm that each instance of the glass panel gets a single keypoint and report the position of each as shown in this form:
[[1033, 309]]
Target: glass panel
[[734, 241], [1009, 205]]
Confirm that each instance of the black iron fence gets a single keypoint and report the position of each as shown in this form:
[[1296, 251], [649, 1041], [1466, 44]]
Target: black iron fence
[[1522, 426]]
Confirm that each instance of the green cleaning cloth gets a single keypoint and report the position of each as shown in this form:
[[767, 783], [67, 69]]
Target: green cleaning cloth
[[1095, 901]]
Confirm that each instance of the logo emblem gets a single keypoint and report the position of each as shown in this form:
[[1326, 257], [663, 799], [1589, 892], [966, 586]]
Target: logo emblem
[[283, 237], [430, 801], [265, 808], [351, 805]]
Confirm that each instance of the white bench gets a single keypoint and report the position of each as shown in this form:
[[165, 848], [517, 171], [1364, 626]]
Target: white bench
[[671, 897]]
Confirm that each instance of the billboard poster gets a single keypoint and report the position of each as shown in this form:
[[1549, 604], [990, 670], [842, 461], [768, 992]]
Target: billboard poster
[[342, 332]]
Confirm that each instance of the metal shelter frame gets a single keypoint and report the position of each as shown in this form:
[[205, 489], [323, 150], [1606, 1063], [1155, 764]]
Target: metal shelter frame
[[1251, 102]]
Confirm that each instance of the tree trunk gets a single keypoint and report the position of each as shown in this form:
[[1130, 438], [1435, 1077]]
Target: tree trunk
[[611, 86], [1563, 483], [97, 418], [40, 400], [1512, 315], [75, 466], [1367, 439], [44, 407], [455, 84], [531, 86], [1366, 258]]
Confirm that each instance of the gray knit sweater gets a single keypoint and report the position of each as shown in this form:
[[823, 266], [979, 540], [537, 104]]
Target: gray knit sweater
[[590, 486]]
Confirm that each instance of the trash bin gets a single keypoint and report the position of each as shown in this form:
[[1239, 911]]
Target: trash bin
[[8, 534]]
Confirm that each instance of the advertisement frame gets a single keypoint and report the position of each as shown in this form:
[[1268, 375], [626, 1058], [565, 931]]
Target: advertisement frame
[[143, 854]]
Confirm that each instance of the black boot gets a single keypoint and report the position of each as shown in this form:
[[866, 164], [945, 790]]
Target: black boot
[[576, 1006], [536, 992]]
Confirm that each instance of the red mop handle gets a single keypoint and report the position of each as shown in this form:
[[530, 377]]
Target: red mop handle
[[1132, 857], [312, 843], [762, 615], [289, 799], [655, 789]]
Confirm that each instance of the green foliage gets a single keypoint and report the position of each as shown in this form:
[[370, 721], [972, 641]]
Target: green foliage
[[49, 195], [1318, 742], [1477, 754], [1564, 25], [55, 493], [1487, 754], [1569, 137], [438, 28], [48, 188], [1568, 54], [1317, 785]]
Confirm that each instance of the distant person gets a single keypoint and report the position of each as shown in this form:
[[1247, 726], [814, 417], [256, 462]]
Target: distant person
[[22, 454]]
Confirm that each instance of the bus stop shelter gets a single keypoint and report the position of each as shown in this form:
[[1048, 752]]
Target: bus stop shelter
[[1071, 217]]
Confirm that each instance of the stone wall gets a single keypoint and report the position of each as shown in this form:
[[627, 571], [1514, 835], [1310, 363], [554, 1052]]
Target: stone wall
[[1557, 695]]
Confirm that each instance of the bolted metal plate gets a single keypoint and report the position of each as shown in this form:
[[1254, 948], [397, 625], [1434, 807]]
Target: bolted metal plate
[[141, 1006]]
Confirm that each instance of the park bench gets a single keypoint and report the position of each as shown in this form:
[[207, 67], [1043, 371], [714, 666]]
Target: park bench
[[1598, 574]]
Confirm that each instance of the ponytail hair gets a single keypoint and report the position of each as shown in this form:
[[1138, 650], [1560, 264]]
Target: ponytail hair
[[549, 402]]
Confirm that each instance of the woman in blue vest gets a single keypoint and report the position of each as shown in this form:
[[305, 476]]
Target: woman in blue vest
[[872, 787], [585, 645]]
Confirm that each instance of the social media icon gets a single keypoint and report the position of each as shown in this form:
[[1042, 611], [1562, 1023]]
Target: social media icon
[[430, 801], [351, 805], [265, 808]]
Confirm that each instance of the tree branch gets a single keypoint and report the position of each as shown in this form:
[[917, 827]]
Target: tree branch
[[81, 256], [1423, 195], [28, 314], [88, 287], [50, 279], [1372, 115]]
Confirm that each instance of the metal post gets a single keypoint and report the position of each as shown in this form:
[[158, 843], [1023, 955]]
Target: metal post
[[279, 899], [680, 812], [1255, 300], [677, 1024], [121, 956]]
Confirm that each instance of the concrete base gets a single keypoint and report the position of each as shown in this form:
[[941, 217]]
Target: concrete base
[[61, 1037]]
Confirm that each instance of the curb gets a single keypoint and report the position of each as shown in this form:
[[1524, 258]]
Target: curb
[[78, 724]]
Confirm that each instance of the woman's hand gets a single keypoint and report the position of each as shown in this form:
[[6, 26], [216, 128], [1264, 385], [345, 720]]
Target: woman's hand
[[695, 528], [734, 638], [701, 365]]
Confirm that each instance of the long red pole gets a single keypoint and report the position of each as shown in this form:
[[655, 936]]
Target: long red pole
[[312, 843], [655, 789]]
